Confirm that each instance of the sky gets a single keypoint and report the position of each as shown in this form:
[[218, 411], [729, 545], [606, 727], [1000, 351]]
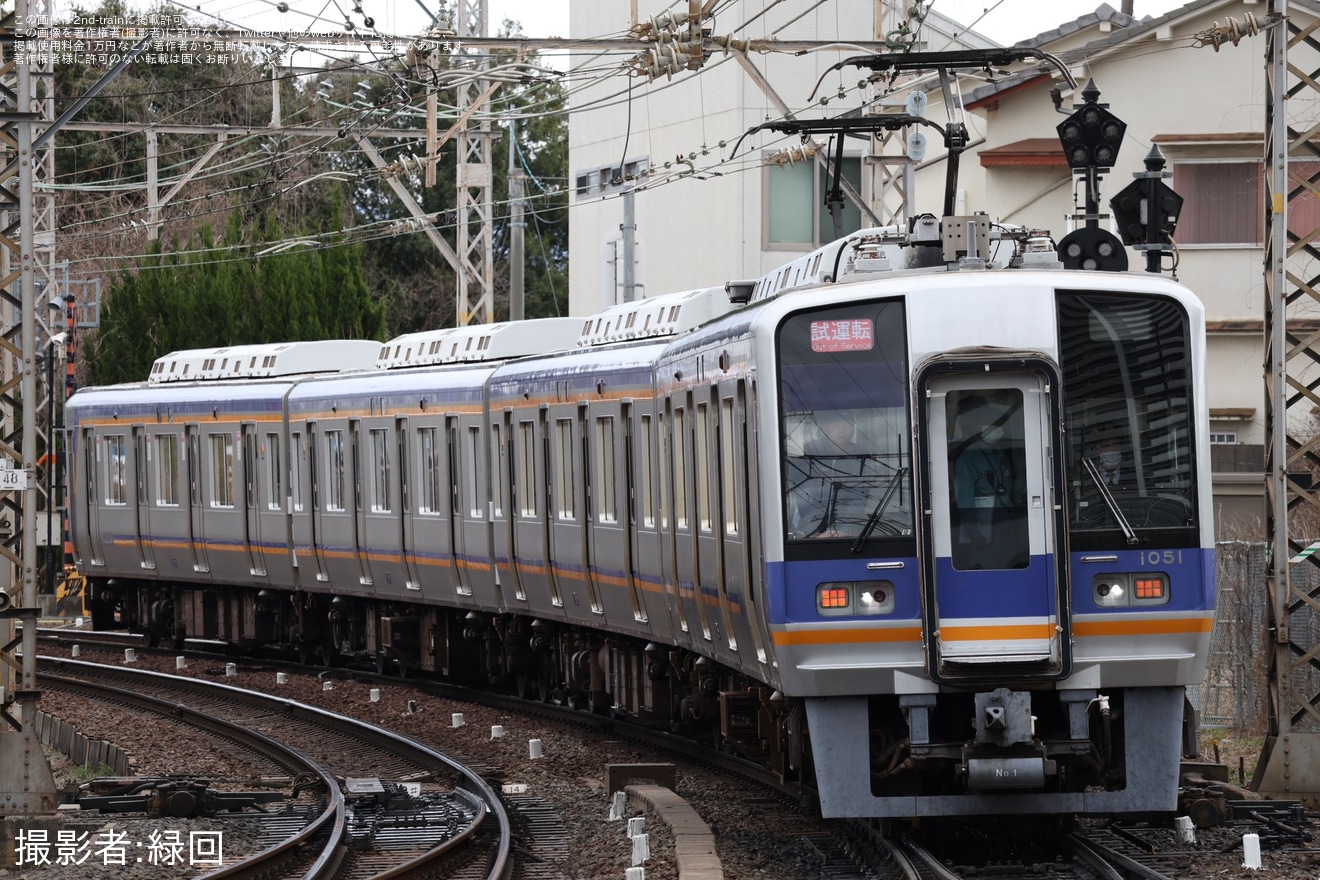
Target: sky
[[1006, 21]]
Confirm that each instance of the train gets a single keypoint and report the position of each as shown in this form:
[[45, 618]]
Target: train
[[849, 520]]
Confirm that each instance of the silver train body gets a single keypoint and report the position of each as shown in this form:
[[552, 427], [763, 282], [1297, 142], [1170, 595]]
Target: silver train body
[[652, 520]]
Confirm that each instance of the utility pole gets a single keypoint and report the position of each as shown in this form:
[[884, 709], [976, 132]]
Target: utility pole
[[476, 269], [1289, 767], [517, 230], [26, 785], [629, 234]]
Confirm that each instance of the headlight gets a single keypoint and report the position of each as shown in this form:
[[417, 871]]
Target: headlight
[[845, 598]]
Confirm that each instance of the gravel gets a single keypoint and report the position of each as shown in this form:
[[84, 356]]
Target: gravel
[[759, 837]]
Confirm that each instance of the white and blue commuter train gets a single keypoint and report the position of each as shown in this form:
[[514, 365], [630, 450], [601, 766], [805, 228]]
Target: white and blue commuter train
[[953, 604]]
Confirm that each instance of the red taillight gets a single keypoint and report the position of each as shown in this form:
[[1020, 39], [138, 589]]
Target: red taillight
[[1148, 588], [834, 597]]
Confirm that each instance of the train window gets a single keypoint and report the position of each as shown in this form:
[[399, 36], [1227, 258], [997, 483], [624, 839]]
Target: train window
[[295, 469], [473, 473], [728, 465], [663, 437], [380, 471], [274, 474], [564, 468], [141, 455], [987, 489], [334, 470], [1128, 414], [702, 462], [644, 458], [167, 470], [527, 468], [116, 470], [844, 422], [680, 469], [222, 470], [496, 472], [430, 453], [606, 511]]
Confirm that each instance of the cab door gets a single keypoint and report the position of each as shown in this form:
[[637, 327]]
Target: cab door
[[993, 548]]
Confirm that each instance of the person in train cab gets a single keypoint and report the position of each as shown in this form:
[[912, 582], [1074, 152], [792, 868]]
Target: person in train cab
[[838, 437], [1108, 458], [986, 496], [830, 479]]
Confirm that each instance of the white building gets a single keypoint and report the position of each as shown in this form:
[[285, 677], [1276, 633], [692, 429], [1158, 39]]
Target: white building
[[701, 221]]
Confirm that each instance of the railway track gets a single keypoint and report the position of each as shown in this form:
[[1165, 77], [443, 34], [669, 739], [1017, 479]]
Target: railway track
[[364, 821]]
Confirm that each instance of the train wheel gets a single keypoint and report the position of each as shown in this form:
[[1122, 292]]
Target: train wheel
[[382, 663], [329, 655], [522, 686], [304, 651]]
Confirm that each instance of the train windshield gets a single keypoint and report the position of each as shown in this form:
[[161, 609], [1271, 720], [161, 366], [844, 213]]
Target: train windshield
[[844, 424], [1127, 368]]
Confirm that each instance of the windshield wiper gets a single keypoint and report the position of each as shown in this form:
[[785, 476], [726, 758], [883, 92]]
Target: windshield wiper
[[1110, 502], [880, 507]]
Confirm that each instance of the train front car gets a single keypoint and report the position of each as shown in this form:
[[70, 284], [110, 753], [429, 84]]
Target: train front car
[[993, 576]]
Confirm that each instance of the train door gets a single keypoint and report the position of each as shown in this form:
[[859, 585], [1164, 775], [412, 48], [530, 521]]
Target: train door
[[250, 464], [318, 481], [405, 470], [709, 565], [669, 492], [454, 506], [566, 512], [998, 596], [141, 495], [686, 545], [644, 481], [592, 502], [732, 520], [474, 512], [91, 503], [196, 508], [504, 515], [357, 504], [626, 505]]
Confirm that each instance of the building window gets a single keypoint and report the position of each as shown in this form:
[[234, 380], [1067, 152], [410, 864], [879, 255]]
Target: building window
[[595, 182], [1223, 438], [796, 216], [1221, 203]]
